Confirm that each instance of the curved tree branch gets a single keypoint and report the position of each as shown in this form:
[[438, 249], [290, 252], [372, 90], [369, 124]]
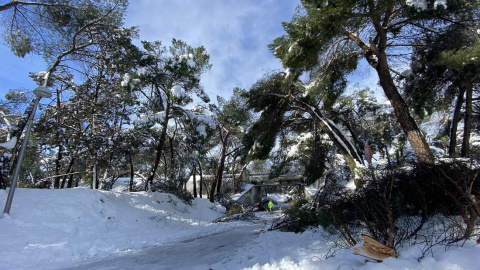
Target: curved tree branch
[[15, 4]]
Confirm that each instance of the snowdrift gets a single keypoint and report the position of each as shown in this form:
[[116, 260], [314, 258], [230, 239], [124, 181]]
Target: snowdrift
[[58, 227], [55, 229]]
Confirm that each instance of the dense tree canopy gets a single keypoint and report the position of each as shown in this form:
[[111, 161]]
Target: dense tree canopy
[[45, 27], [327, 38]]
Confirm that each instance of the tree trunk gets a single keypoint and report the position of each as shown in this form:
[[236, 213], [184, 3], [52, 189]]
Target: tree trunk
[[132, 172], [467, 122], [172, 163], [219, 173], [221, 166], [217, 183], [201, 177], [70, 181], [69, 169], [452, 146], [194, 183], [56, 182], [240, 175], [93, 184], [344, 145], [234, 188], [58, 165], [375, 55], [159, 149], [165, 166], [414, 135]]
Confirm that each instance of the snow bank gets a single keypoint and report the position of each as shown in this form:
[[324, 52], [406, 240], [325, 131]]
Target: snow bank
[[313, 249], [50, 228]]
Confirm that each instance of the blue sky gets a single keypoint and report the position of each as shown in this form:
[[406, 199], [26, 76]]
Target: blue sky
[[235, 34], [14, 70]]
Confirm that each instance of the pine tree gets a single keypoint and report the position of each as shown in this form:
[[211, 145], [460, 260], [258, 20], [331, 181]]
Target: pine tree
[[232, 118], [445, 71], [164, 81], [287, 104], [65, 34], [44, 27], [327, 38]]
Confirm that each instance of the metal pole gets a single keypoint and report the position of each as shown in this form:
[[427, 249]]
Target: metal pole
[[41, 91], [8, 204]]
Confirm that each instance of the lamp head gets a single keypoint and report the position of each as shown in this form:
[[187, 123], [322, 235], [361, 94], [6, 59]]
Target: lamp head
[[43, 92]]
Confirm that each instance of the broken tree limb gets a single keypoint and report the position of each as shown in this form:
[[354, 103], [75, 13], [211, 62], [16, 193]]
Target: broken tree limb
[[374, 250]]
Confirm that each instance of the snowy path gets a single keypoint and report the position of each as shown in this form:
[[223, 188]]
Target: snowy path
[[198, 253]]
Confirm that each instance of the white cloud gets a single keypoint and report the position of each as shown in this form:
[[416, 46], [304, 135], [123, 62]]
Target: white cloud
[[235, 34]]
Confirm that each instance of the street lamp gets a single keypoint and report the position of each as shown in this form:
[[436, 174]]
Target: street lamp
[[40, 92]]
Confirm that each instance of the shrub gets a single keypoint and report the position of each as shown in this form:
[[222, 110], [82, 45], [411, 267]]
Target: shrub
[[170, 188]]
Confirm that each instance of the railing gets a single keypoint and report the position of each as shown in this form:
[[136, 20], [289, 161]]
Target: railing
[[282, 180]]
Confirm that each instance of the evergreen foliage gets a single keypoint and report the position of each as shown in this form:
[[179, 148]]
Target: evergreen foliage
[[125, 110], [47, 27]]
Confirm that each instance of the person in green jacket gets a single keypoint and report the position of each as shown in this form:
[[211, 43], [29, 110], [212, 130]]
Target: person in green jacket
[[270, 206]]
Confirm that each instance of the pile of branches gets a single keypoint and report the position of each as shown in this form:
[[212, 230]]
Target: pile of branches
[[238, 212], [170, 188], [298, 216], [396, 204]]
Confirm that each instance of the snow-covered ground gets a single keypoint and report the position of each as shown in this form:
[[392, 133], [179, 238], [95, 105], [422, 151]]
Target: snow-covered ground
[[61, 229]]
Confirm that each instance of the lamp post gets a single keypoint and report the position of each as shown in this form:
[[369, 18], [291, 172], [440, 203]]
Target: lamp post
[[41, 91]]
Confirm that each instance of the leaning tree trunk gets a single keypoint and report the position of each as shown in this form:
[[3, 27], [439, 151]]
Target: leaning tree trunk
[[240, 175], [217, 182], [414, 135], [70, 181], [376, 57], [452, 146], [159, 149], [467, 122], [343, 144], [221, 166]]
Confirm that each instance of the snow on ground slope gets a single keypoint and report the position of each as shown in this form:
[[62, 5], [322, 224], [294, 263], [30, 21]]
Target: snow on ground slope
[[49, 228], [53, 229], [313, 250]]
